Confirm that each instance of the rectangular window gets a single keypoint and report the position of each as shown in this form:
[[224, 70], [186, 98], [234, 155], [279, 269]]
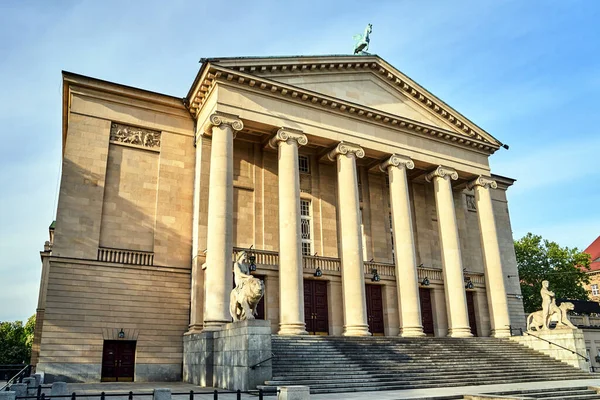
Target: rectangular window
[[595, 290], [304, 164], [306, 227]]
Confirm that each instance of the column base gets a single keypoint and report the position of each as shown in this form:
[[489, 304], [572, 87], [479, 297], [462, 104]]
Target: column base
[[193, 329], [460, 332], [357, 330], [292, 329], [211, 326], [501, 333], [416, 331]]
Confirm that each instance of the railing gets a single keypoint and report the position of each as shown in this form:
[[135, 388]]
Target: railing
[[383, 269], [130, 395], [433, 274], [125, 256], [323, 263], [18, 377], [478, 278]]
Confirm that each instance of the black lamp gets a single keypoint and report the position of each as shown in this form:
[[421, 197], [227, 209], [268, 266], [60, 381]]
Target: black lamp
[[425, 281], [318, 273], [375, 277], [251, 258], [121, 334], [469, 284]]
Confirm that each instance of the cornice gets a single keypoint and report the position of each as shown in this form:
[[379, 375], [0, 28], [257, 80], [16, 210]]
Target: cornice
[[278, 66], [214, 73]]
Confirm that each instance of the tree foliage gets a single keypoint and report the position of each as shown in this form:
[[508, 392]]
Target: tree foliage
[[15, 341], [564, 268]]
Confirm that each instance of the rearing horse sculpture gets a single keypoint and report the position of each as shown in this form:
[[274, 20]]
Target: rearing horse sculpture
[[362, 41]]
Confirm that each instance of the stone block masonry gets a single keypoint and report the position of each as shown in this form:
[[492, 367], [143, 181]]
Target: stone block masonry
[[228, 358]]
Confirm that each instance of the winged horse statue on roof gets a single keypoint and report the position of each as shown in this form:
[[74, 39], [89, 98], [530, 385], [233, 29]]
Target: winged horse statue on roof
[[362, 41]]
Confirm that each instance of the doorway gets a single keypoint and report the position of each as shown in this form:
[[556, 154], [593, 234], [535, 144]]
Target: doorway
[[374, 309], [471, 311], [118, 361], [426, 311], [315, 307]]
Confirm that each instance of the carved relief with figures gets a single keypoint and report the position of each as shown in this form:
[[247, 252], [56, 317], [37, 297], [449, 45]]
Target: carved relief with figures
[[133, 135]]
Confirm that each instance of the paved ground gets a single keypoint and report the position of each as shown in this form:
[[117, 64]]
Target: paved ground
[[179, 387]]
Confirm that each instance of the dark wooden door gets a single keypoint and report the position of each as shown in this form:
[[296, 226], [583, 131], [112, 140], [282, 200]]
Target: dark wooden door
[[426, 311], [471, 310], [375, 309], [315, 307], [118, 361]]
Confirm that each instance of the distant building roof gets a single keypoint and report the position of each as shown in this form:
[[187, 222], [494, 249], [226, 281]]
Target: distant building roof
[[582, 306], [594, 251]]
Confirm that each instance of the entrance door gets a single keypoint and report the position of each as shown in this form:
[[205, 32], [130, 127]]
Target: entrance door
[[426, 311], [375, 309], [118, 361], [315, 307], [471, 310]]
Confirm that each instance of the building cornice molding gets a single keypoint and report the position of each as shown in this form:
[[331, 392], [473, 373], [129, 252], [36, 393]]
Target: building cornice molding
[[442, 172], [288, 135], [214, 74], [483, 181], [345, 148], [397, 161]]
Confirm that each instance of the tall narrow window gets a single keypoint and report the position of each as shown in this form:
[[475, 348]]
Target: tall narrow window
[[392, 238], [595, 290], [306, 227], [303, 164], [359, 184]]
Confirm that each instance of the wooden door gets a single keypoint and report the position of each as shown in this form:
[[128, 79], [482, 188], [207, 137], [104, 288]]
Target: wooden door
[[118, 361], [375, 309], [426, 311], [471, 310], [315, 307]]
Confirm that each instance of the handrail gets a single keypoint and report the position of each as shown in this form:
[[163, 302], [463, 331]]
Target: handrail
[[16, 376], [557, 345], [260, 362]]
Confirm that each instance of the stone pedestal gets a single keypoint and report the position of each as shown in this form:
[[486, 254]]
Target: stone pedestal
[[227, 358], [572, 339]]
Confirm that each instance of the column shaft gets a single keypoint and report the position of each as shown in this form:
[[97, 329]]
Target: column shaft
[[291, 285], [404, 248], [454, 285], [494, 277], [353, 281], [218, 275]]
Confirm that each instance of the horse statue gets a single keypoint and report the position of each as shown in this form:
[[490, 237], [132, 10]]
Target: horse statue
[[362, 41], [247, 292]]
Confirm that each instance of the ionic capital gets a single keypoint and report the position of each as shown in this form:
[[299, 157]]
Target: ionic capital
[[344, 149], [221, 119], [290, 136], [484, 182], [442, 172], [397, 161]]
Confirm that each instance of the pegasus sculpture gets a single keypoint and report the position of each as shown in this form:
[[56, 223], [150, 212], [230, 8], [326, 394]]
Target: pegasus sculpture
[[362, 41]]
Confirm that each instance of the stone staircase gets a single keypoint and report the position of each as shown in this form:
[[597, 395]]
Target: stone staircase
[[569, 393], [331, 364]]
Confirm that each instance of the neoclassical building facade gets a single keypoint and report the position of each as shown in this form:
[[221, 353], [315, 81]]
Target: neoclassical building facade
[[368, 203]]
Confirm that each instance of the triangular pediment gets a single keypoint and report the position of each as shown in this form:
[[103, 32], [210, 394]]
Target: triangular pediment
[[364, 85]]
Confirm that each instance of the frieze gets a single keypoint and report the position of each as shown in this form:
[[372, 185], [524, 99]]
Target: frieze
[[134, 136]]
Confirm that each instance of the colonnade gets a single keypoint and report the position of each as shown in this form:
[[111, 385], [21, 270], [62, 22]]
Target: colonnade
[[287, 141]]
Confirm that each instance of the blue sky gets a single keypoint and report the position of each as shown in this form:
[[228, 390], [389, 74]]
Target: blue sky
[[528, 72]]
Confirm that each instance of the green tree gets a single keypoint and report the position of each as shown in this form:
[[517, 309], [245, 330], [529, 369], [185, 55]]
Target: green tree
[[564, 268], [15, 341]]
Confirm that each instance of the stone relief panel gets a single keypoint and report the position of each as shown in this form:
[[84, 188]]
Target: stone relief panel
[[135, 136], [471, 202]]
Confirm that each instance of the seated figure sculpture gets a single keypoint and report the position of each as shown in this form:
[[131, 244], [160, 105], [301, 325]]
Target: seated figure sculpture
[[540, 320], [247, 292]]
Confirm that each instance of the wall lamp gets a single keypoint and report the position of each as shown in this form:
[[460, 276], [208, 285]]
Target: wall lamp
[[121, 334], [375, 277], [318, 273], [425, 281], [469, 284], [251, 258]]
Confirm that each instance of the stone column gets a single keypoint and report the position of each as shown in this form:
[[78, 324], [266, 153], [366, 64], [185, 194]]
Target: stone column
[[494, 277], [454, 284], [353, 280], [291, 293], [219, 264], [404, 246]]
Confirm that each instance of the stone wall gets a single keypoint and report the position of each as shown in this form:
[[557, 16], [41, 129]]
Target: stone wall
[[571, 339]]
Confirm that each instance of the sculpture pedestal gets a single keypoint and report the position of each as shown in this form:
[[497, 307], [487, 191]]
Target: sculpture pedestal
[[572, 339], [227, 358]]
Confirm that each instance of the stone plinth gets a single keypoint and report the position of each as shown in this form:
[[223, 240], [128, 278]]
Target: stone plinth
[[572, 339], [225, 358]]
